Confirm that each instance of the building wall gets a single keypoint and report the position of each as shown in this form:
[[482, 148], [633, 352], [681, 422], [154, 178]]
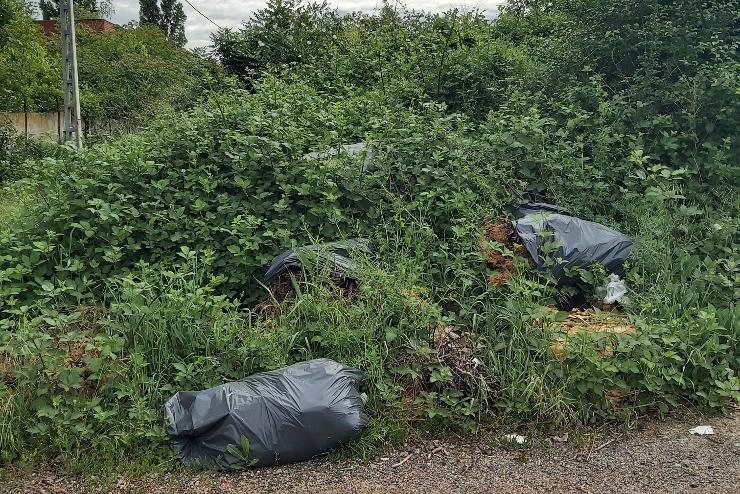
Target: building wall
[[34, 124]]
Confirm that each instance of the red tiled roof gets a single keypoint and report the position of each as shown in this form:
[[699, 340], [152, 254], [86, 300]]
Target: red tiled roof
[[98, 25]]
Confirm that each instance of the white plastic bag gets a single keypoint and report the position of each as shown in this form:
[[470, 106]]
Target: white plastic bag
[[514, 438], [616, 291], [702, 430]]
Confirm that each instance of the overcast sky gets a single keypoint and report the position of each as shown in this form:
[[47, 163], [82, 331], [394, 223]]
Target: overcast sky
[[231, 13]]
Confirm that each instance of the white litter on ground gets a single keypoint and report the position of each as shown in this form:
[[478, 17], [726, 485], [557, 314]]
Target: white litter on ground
[[615, 290], [702, 430], [514, 438]]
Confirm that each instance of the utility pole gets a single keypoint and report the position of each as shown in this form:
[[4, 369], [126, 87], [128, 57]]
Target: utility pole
[[72, 124]]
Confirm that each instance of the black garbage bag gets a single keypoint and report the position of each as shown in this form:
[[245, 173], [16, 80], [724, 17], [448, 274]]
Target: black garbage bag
[[580, 243], [336, 256], [288, 415], [524, 208]]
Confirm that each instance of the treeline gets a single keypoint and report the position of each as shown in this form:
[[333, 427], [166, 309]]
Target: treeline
[[127, 76], [656, 76]]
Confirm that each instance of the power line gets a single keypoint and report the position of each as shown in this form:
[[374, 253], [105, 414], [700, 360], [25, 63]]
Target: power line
[[201, 13]]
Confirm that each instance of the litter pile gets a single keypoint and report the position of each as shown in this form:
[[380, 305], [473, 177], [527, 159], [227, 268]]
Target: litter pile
[[299, 412], [450, 348], [456, 350], [553, 241], [286, 415]]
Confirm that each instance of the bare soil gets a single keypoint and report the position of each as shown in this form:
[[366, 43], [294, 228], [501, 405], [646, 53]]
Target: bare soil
[[653, 457]]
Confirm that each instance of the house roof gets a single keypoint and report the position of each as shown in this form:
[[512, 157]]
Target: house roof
[[99, 25]]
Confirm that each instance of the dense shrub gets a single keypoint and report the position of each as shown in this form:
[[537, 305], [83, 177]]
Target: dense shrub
[[659, 77], [230, 179], [412, 57], [16, 150]]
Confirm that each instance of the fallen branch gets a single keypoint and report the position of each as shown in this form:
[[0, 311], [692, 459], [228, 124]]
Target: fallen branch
[[435, 450]]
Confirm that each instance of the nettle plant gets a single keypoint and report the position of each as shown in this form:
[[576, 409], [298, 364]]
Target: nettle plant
[[62, 373]]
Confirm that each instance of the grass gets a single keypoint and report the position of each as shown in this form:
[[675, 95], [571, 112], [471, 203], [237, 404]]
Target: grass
[[12, 207], [176, 332]]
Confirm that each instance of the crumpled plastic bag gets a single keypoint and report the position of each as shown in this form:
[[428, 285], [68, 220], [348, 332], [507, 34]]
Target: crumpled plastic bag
[[286, 415], [339, 257], [576, 243], [702, 430], [616, 291], [514, 438]]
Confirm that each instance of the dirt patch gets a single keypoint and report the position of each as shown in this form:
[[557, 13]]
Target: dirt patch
[[280, 290], [7, 375], [500, 243], [73, 344]]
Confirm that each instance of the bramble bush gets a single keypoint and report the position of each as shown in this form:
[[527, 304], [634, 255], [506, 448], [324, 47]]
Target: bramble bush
[[16, 150], [230, 178]]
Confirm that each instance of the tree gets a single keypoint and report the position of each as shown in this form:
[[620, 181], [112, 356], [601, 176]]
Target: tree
[[283, 33], [168, 15], [27, 76], [149, 12], [83, 8], [130, 75]]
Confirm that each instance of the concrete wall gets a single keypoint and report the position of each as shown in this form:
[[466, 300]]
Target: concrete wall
[[34, 124]]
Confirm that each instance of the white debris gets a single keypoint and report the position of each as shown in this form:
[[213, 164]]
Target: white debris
[[515, 438], [702, 430], [560, 439], [616, 291]]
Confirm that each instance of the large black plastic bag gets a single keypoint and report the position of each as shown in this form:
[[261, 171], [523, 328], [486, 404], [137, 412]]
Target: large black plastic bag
[[581, 243], [525, 208], [337, 256], [290, 414]]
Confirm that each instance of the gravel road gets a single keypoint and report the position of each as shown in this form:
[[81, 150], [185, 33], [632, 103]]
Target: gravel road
[[659, 457]]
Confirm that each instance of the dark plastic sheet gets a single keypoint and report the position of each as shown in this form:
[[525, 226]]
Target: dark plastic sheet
[[336, 256], [524, 208]]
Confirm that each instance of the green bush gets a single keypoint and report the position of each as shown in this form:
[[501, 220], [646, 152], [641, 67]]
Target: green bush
[[412, 57], [229, 179], [16, 150]]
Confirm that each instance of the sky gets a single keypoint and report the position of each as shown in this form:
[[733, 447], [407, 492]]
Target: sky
[[231, 13]]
